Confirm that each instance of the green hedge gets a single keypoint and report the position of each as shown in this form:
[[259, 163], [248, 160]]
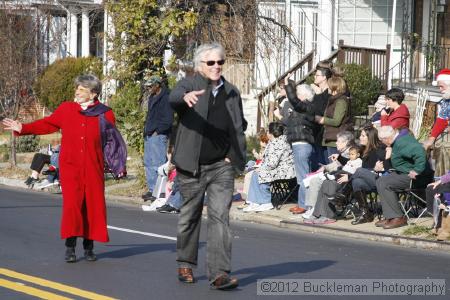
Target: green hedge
[[55, 84]]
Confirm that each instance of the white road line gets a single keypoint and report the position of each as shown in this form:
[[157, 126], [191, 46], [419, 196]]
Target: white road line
[[143, 233]]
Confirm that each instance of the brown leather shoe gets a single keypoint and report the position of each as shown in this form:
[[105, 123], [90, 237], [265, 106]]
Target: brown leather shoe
[[298, 210], [396, 222], [381, 223], [293, 208], [224, 283], [185, 275]]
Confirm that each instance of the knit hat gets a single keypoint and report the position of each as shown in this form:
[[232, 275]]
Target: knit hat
[[155, 79], [444, 75]]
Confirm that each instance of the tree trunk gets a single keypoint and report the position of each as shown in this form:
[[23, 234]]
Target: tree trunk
[[13, 157]]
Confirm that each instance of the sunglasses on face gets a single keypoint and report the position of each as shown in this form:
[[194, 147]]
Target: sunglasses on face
[[211, 63]]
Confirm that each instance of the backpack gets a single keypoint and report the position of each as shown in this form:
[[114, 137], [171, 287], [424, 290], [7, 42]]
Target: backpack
[[113, 144]]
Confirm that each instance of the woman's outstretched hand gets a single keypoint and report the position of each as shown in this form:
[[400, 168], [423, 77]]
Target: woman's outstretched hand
[[12, 125]]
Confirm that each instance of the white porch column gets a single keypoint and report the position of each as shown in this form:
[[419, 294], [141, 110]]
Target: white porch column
[[325, 32], [109, 85], [72, 23], [85, 33], [426, 19]]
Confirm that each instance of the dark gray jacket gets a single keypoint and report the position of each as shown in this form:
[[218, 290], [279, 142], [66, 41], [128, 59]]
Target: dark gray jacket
[[192, 120]]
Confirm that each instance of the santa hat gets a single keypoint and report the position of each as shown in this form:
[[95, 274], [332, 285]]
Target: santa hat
[[443, 75]]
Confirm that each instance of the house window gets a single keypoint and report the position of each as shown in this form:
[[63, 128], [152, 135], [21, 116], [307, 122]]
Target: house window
[[367, 23], [302, 32], [314, 24]]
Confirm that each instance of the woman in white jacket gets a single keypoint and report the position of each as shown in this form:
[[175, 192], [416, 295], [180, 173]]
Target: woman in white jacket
[[277, 163]]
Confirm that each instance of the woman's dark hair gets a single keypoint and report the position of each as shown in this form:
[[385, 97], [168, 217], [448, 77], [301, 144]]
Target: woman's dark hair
[[276, 129], [325, 71], [395, 94], [373, 142]]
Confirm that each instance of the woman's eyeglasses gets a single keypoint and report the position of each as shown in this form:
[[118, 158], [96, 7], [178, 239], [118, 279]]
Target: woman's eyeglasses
[[211, 63]]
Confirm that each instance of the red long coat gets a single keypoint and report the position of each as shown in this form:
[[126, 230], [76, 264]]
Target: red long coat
[[81, 170]]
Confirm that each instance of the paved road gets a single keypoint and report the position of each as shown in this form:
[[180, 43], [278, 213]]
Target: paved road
[[137, 265]]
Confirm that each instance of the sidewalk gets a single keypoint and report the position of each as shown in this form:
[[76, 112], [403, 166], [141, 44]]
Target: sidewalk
[[284, 219]]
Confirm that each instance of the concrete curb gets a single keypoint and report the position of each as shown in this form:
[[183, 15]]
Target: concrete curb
[[280, 222]]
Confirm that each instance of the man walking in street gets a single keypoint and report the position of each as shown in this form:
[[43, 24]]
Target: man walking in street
[[210, 146], [158, 126]]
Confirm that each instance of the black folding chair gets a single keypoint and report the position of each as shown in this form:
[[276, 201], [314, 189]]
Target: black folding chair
[[283, 190], [412, 200]]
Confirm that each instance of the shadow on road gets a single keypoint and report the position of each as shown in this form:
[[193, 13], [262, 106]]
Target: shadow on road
[[136, 249], [287, 268]]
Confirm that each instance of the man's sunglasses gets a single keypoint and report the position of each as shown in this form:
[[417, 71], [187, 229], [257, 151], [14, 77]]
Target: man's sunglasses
[[211, 63]]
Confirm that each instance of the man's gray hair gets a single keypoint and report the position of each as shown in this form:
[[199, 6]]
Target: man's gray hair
[[386, 132], [90, 82], [306, 91], [347, 136], [202, 49]]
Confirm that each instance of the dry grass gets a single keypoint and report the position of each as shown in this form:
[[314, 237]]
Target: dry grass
[[133, 190], [14, 172]]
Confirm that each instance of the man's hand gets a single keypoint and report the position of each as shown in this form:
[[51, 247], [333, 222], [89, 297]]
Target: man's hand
[[428, 143], [191, 97], [435, 184], [412, 174], [388, 152], [12, 125]]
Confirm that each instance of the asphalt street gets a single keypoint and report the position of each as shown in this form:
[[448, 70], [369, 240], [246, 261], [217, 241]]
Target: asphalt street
[[139, 261]]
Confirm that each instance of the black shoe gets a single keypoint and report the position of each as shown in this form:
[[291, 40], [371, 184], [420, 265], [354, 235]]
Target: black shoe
[[148, 196], [31, 181], [224, 283], [89, 255], [70, 255], [167, 209]]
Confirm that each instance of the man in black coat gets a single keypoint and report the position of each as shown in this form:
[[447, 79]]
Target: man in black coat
[[210, 146]]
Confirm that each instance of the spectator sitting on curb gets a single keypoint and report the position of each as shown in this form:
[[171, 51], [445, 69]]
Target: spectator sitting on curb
[[278, 163], [40, 159]]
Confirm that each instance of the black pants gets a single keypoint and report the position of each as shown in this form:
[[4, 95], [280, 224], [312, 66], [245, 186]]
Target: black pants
[[39, 161], [72, 242]]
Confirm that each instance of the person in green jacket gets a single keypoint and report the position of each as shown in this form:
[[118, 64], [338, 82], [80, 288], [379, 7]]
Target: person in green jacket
[[409, 162]]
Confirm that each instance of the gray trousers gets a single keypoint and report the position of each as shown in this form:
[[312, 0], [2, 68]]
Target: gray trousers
[[217, 180], [387, 187]]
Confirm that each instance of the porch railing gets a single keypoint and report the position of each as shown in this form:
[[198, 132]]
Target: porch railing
[[377, 60]]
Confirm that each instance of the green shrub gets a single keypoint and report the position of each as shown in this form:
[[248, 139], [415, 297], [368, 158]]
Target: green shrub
[[129, 116], [364, 87], [55, 84], [27, 143]]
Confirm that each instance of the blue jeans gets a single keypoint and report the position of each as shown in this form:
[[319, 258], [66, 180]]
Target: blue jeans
[[258, 192], [175, 200], [302, 159], [155, 148]]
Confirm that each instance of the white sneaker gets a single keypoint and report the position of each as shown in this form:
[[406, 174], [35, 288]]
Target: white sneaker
[[44, 184], [264, 207], [307, 215], [155, 204], [251, 207]]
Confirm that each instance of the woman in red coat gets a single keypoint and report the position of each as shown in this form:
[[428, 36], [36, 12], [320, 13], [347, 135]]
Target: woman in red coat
[[397, 115], [81, 165]]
